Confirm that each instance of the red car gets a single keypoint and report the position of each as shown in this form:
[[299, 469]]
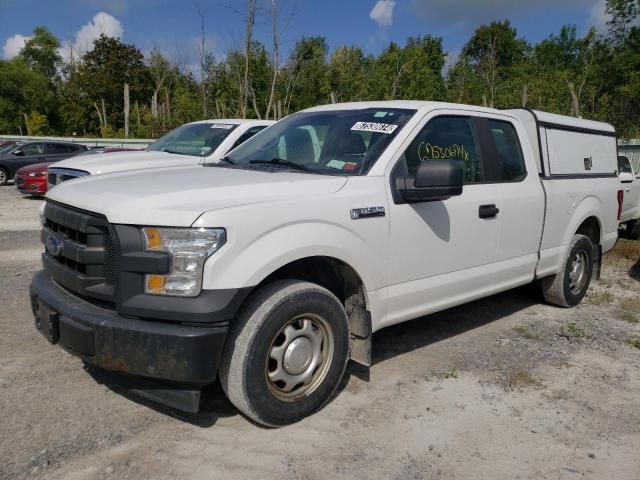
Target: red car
[[32, 179]]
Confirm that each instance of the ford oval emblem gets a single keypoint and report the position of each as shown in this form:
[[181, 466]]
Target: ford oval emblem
[[53, 245]]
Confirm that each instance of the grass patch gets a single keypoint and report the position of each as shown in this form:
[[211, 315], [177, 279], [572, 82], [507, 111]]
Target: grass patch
[[446, 374], [518, 379], [626, 249], [572, 330], [600, 297], [629, 309], [524, 332], [634, 342]]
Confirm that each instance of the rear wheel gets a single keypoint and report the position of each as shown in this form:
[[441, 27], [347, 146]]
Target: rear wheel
[[568, 287], [286, 353], [633, 230], [4, 176]]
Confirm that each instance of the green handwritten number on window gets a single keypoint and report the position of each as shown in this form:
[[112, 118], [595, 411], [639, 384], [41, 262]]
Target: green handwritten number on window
[[428, 151]]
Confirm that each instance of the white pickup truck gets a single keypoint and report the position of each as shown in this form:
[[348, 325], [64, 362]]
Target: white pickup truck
[[272, 269], [630, 216], [193, 143]]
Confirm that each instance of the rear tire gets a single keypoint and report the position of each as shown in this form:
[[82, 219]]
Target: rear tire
[[286, 352], [4, 176], [633, 230], [568, 287]]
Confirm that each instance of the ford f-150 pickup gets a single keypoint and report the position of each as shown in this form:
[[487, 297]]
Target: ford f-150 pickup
[[271, 269]]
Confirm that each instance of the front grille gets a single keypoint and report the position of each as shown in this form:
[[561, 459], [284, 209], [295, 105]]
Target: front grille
[[19, 181], [79, 252]]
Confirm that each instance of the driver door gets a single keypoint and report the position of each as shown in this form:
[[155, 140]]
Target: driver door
[[442, 252]]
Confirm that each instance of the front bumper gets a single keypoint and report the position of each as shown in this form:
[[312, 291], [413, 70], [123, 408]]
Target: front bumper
[[165, 351], [31, 185]]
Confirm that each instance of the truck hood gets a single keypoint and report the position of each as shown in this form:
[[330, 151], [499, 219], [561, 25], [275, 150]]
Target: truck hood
[[119, 161], [178, 196]]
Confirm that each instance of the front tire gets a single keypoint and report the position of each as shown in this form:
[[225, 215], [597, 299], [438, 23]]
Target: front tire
[[4, 176], [569, 286], [286, 353]]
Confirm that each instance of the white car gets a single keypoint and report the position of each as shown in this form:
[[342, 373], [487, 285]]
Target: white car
[[272, 269], [630, 180], [206, 141]]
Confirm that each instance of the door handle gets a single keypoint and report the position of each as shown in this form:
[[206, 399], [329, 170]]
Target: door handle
[[488, 211]]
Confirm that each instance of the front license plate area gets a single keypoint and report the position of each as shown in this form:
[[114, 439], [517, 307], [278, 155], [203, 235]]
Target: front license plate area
[[47, 322]]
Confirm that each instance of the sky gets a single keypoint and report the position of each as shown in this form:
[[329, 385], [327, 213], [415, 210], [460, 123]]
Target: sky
[[174, 26]]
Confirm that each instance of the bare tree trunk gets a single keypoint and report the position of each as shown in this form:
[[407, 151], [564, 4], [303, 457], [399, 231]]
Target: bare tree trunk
[[274, 31], [203, 55], [484, 100], [250, 20], [97, 110], [525, 95], [279, 112], [575, 100], [126, 110], [26, 123], [168, 104], [154, 104], [255, 103], [104, 113], [137, 115], [332, 96]]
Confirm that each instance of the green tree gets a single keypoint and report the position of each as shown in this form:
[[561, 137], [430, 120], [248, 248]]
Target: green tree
[[103, 73], [40, 52]]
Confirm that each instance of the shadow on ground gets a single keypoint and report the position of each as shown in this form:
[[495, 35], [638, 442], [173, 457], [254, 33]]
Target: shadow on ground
[[387, 343]]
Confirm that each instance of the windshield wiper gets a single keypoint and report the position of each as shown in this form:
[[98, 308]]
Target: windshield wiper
[[172, 151], [284, 163], [228, 160]]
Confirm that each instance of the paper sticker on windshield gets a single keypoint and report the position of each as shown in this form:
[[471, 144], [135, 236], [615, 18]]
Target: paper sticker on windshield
[[336, 164], [374, 127], [224, 126]]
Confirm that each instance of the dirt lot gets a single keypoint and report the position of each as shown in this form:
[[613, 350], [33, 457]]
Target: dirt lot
[[506, 387]]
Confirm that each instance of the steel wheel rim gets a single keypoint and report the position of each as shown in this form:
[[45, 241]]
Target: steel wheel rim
[[3, 176], [578, 271], [299, 357]]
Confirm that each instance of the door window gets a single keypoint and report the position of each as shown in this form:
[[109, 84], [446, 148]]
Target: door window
[[447, 138], [508, 163], [247, 135], [32, 149]]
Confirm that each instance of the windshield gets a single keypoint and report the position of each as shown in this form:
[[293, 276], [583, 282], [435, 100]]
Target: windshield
[[5, 149], [338, 142], [196, 139]]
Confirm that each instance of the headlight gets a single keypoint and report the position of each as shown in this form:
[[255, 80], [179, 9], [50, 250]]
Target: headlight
[[36, 174], [189, 248]]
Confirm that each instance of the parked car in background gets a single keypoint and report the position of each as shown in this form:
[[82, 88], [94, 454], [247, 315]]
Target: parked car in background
[[30, 153], [271, 270], [8, 145], [630, 216], [206, 141], [32, 179]]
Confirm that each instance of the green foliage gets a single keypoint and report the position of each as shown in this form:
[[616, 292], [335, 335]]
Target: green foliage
[[37, 124], [40, 53], [588, 75]]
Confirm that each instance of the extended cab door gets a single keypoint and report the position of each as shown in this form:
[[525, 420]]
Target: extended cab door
[[443, 252], [631, 185]]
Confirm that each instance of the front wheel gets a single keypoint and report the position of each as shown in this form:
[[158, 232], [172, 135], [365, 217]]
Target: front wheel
[[4, 176], [286, 353], [569, 286]]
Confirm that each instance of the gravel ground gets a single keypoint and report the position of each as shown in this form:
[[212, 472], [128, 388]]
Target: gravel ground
[[506, 387]]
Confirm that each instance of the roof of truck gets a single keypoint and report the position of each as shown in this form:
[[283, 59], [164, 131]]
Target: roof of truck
[[235, 121], [522, 113], [561, 120]]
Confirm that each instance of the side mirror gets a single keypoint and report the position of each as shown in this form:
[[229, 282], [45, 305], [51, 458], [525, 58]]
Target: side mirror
[[435, 180], [18, 153], [626, 177]]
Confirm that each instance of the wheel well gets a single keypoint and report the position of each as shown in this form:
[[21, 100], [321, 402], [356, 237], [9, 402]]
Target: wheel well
[[590, 228], [343, 281]]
